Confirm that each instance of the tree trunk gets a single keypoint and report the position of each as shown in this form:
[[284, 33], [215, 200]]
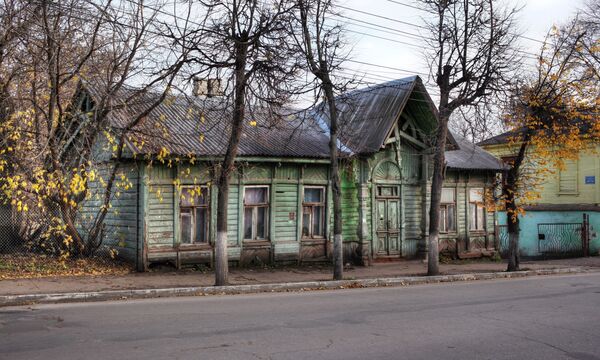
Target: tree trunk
[[338, 245], [512, 215], [436, 194], [237, 124], [512, 220], [221, 256]]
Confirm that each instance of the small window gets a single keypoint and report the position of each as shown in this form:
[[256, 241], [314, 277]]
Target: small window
[[256, 212], [194, 215], [448, 210], [313, 212], [476, 209], [387, 191]]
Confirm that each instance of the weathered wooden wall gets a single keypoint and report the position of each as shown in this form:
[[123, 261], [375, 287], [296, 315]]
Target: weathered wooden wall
[[121, 224]]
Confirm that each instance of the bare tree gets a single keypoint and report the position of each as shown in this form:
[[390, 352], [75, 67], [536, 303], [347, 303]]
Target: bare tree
[[472, 53], [48, 133], [478, 122], [243, 45], [321, 47], [588, 46]]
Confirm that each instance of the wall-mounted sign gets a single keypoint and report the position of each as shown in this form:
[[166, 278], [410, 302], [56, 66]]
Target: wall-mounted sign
[[590, 180]]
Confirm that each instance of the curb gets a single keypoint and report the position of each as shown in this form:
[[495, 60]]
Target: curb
[[15, 300]]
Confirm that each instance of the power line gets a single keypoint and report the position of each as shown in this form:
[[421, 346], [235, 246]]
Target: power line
[[382, 17], [431, 12], [387, 67], [378, 27], [407, 5]]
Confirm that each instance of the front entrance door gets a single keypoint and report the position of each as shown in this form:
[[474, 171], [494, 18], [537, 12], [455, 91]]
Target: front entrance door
[[388, 231]]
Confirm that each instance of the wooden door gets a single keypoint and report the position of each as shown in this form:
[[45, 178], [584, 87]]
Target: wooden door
[[388, 231]]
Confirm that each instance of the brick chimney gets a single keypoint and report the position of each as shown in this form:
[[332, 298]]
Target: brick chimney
[[207, 87]]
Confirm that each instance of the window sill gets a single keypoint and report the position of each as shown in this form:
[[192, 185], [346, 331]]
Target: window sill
[[313, 240], [195, 246], [576, 193], [257, 243]]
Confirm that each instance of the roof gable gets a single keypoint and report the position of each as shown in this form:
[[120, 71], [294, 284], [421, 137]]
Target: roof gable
[[367, 116]]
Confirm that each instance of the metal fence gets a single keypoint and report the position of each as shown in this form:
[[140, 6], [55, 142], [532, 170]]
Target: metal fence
[[27, 248], [503, 240]]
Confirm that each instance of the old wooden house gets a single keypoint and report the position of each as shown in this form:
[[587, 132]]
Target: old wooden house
[[280, 200]]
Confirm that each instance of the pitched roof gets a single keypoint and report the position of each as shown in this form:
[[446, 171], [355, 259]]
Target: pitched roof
[[585, 127], [500, 139], [469, 156], [367, 115], [193, 125]]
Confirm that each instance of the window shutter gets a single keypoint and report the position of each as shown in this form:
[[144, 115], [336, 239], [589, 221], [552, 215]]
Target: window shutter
[[568, 177]]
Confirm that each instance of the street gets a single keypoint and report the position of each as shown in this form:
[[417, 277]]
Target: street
[[532, 318]]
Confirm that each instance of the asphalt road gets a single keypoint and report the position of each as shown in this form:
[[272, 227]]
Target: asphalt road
[[535, 318]]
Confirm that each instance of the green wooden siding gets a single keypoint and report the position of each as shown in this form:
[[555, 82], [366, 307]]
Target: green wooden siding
[[160, 225], [412, 211], [286, 203], [350, 208], [286, 182], [120, 225], [233, 216]]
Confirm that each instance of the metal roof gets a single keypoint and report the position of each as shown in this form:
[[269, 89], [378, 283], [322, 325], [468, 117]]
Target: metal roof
[[187, 125], [469, 156], [192, 125]]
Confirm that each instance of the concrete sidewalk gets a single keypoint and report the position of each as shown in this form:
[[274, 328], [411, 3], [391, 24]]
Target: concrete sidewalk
[[196, 279]]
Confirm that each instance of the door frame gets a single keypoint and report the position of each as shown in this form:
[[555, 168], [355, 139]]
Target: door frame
[[375, 219]]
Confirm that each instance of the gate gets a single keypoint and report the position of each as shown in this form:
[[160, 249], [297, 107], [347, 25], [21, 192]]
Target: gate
[[564, 239], [561, 239]]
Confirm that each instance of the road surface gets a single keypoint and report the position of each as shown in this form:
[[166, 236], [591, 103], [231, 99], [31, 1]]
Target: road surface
[[534, 318]]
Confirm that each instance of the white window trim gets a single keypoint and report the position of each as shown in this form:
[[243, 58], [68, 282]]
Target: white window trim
[[323, 203], [477, 203], [255, 213], [193, 216], [446, 231]]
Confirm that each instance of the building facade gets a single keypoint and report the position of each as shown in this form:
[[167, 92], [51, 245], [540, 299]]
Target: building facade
[[552, 225], [280, 202]]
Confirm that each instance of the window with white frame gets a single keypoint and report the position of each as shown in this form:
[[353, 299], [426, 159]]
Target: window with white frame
[[448, 210], [194, 217], [313, 212], [256, 212], [476, 209]]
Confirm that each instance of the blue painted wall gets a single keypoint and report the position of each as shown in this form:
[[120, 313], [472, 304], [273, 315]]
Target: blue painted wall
[[528, 241]]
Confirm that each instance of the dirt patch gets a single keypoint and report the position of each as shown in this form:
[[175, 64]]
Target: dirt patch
[[39, 266]]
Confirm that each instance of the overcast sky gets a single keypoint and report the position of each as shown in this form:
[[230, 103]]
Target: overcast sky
[[535, 19]]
